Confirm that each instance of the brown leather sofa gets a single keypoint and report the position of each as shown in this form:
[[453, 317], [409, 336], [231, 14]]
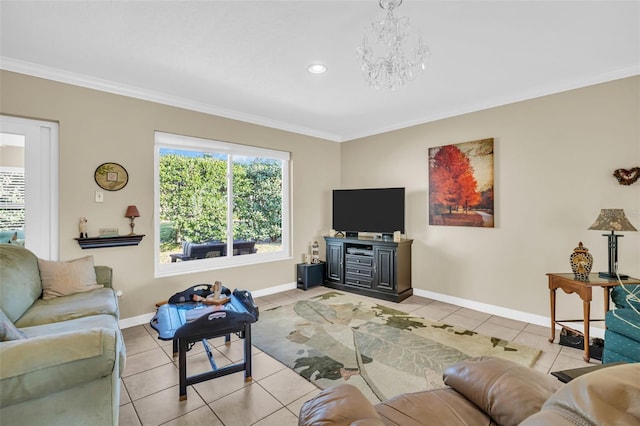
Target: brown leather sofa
[[490, 391]]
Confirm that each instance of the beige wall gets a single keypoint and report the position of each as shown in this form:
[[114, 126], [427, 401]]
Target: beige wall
[[97, 127], [554, 159]]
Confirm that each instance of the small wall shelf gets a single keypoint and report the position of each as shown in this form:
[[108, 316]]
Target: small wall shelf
[[115, 241]]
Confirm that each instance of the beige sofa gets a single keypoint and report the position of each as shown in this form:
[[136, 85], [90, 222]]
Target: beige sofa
[[62, 352], [491, 391]]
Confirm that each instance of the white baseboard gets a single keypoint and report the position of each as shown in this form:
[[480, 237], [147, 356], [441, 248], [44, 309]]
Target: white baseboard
[[541, 320]]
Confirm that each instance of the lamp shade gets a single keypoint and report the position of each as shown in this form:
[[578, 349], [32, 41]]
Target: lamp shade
[[132, 211], [612, 220]]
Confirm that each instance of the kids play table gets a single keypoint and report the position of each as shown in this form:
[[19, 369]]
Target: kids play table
[[187, 322]]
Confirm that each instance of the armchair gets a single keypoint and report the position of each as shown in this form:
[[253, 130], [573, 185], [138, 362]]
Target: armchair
[[622, 336]]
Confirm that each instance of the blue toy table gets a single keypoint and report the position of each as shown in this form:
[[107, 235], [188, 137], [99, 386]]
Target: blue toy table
[[187, 322]]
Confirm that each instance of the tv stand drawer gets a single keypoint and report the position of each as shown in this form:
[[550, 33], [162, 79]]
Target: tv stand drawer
[[359, 272], [354, 259], [358, 281]]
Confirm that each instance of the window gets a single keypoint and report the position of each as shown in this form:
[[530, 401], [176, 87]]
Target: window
[[218, 204]]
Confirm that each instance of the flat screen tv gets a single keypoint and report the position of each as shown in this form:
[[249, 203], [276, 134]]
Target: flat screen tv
[[376, 210]]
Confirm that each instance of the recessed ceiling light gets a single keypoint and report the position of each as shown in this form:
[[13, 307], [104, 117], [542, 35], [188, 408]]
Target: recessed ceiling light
[[317, 68]]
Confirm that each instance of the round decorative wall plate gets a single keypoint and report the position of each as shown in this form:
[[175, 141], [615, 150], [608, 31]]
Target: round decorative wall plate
[[111, 176]]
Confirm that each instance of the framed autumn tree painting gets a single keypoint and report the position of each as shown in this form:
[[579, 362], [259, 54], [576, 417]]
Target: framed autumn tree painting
[[461, 184]]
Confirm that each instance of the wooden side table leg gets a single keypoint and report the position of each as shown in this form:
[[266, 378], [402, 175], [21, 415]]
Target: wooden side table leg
[[586, 306], [552, 295]]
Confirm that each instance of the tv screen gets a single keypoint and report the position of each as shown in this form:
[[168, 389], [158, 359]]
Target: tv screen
[[379, 210]]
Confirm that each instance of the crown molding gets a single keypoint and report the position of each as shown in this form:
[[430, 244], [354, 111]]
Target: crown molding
[[62, 76], [55, 74], [533, 93]]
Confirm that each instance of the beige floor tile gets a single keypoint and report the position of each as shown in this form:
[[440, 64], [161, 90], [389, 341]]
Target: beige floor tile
[[163, 406], [245, 406], [416, 300], [282, 417], [263, 365], [128, 416], [199, 363], [576, 353], [151, 381], [220, 387], [407, 306], [436, 311], [135, 331], [286, 386], [277, 299], [202, 416], [150, 329], [461, 321], [124, 395], [495, 330], [296, 405], [507, 322], [233, 352], [539, 330], [481, 316], [564, 362], [549, 350], [139, 343], [147, 360]]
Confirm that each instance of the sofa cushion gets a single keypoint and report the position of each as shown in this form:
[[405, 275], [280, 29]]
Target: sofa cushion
[[507, 391], [436, 407], [341, 405], [70, 277], [621, 296], [94, 302], [618, 347], [608, 396], [8, 331], [625, 322], [20, 280]]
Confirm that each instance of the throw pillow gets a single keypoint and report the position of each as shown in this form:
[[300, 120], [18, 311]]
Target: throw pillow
[[8, 331], [64, 278]]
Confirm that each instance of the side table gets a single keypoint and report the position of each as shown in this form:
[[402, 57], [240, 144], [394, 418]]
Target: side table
[[310, 274], [569, 285]]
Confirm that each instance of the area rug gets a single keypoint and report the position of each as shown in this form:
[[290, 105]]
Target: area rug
[[337, 338]]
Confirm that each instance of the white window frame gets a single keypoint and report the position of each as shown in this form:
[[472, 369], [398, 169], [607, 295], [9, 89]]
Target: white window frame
[[172, 141], [41, 183]]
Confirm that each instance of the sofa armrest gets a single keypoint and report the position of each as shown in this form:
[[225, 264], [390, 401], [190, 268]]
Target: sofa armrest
[[340, 405], [38, 366], [104, 275], [506, 391], [608, 396]]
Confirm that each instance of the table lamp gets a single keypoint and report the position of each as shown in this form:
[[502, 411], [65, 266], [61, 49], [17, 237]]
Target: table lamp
[[612, 220], [132, 212]]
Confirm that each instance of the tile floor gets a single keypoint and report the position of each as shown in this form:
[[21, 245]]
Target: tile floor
[[149, 393]]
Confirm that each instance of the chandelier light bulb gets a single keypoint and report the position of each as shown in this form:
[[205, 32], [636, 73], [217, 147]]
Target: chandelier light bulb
[[387, 59]]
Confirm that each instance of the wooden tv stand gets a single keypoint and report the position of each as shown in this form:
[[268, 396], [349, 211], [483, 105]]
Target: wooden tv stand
[[373, 267]]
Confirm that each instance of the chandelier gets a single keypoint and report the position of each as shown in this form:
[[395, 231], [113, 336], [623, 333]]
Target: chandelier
[[387, 59]]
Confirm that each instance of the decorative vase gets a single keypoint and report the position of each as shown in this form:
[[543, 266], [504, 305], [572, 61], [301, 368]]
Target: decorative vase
[[581, 262]]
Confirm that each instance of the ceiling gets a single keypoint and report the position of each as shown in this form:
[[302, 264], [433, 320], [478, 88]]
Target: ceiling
[[248, 60]]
